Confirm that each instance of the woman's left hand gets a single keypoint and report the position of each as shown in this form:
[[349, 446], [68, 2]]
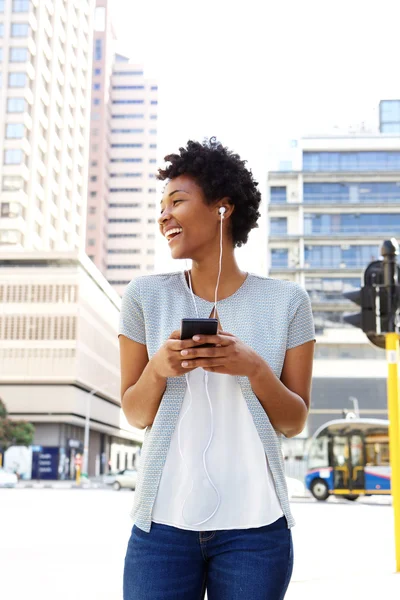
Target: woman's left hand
[[229, 355]]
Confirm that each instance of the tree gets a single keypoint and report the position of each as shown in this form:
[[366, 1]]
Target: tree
[[14, 433]]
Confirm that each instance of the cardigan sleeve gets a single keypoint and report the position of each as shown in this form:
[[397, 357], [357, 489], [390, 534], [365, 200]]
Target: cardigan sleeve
[[131, 322], [301, 324]]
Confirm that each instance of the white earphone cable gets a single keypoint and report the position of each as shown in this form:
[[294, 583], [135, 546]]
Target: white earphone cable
[[208, 398]]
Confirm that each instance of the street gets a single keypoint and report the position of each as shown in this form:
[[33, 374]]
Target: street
[[70, 544]]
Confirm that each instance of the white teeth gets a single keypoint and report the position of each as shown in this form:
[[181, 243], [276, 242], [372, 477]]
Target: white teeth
[[173, 231]]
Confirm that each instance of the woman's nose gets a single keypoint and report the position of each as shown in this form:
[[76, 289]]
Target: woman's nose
[[165, 216]]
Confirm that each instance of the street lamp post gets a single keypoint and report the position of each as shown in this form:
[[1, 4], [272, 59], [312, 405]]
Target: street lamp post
[[87, 430]]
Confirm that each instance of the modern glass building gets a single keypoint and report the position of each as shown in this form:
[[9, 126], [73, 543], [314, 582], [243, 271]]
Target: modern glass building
[[327, 219], [389, 116]]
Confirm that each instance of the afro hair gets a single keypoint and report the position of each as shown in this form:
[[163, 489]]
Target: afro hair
[[220, 173]]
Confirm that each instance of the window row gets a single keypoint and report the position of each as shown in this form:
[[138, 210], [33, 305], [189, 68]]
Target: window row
[[351, 161], [354, 193], [349, 224], [332, 257], [327, 289], [23, 327], [38, 293]]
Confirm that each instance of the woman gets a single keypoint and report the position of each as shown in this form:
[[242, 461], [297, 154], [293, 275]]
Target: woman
[[211, 506]]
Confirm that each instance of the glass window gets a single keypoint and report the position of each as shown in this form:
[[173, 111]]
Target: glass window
[[97, 71], [135, 116], [1, 55], [127, 130], [13, 157], [278, 195], [125, 190], [96, 86], [279, 258], [126, 145], [12, 183], [15, 130], [16, 105], [337, 257], [330, 289], [128, 87], [20, 6], [19, 29], [1, 6], [351, 193], [1, 29], [154, 87], [154, 102], [377, 451], [17, 80], [128, 73], [128, 101], [351, 161], [96, 101], [318, 456], [390, 127], [134, 160], [18, 54], [278, 225], [98, 50]]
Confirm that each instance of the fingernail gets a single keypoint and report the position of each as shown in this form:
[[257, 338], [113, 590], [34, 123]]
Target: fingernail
[[196, 338], [184, 352], [185, 364]]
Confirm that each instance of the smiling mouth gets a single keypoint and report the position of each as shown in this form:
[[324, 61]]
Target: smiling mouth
[[173, 233]]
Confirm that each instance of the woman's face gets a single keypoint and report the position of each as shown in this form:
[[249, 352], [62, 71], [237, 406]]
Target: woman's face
[[187, 222]]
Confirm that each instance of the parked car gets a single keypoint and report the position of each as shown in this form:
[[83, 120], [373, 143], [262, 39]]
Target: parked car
[[123, 479], [7, 479]]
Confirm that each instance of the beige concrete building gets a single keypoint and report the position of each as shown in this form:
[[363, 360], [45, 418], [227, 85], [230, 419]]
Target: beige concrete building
[[328, 216], [123, 151], [59, 359], [46, 49]]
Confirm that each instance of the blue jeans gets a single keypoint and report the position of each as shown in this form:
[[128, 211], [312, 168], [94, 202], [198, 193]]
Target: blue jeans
[[239, 564]]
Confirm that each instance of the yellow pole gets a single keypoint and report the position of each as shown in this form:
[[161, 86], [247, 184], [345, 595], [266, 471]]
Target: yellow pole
[[392, 355], [78, 475]]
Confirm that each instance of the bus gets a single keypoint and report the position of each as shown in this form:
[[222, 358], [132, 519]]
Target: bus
[[349, 458]]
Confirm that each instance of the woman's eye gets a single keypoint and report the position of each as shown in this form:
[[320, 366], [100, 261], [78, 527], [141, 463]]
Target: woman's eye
[[176, 201]]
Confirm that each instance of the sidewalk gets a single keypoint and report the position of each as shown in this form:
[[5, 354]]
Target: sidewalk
[[359, 586], [93, 483]]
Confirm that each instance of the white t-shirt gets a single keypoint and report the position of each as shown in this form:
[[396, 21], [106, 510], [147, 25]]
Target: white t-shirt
[[235, 461]]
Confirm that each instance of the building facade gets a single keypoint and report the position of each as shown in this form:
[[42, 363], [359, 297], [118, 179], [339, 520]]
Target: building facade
[[59, 359], [327, 219], [121, 209], [45, 78], [389, 116]]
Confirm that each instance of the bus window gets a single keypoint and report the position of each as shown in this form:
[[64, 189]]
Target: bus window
[[377, 451], [318, 456]]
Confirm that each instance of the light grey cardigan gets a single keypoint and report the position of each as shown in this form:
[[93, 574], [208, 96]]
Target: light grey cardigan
[[269, 315]]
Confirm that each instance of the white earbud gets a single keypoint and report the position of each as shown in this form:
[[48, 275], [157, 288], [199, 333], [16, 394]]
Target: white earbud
[[221, 211]]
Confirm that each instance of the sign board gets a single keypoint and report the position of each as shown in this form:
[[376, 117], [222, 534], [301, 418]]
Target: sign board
[[45, 463]]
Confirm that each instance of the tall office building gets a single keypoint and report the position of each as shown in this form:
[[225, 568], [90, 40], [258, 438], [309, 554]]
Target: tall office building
[[59, 365], [123, 151], [389, 116], [45, 68], [327, 217]]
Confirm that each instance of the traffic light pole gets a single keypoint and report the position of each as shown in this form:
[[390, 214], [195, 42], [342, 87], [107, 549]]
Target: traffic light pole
[[390, 251], [392, 354]]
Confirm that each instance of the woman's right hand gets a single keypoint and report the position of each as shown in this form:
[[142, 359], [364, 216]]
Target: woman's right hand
[[167, 361]]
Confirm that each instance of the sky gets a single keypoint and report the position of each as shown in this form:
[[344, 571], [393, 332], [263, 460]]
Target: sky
[[260, 73]]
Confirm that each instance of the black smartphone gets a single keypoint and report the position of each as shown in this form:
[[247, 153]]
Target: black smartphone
[[191, 327]]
